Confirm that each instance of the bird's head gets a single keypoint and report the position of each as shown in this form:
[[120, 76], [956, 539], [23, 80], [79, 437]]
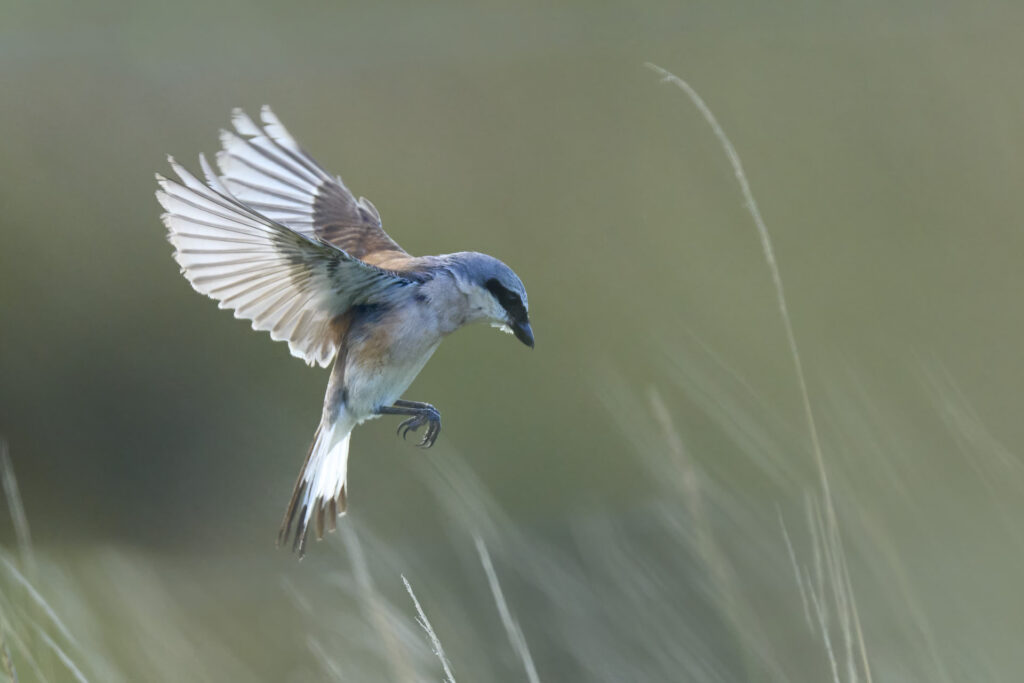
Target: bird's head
[[495, 293]]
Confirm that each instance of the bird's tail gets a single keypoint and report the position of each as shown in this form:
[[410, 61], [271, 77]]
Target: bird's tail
[[320, 493]]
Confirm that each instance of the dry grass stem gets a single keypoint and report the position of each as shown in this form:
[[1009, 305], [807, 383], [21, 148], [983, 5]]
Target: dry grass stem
[[435, 642], [62, 656], [800, 583], [18, 518], [39, 601], [515, 634], [831, 533], [375, 609], [720, 571], [773, 267]]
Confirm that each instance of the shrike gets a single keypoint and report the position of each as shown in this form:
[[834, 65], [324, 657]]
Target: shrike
[[282, 243]]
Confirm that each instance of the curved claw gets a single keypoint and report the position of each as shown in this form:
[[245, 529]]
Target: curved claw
[[425, 415], [433, 419], [410, 425]]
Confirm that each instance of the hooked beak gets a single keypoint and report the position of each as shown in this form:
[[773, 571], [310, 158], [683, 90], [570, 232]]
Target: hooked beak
[[523, 332]]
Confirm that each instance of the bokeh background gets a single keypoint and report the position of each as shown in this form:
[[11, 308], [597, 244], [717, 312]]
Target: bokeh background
[[644, 480]]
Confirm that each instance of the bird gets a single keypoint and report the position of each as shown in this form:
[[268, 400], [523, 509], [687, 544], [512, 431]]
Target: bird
[[282, 243]]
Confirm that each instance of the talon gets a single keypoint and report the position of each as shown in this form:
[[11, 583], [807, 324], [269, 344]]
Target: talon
[[410, 425], [424, 415], [433, 419]]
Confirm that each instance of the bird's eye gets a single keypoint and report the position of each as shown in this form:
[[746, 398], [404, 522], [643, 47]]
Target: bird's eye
[[509, 300]]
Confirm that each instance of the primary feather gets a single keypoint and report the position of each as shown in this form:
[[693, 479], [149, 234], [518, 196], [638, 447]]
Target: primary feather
[[288, 283], [265, 168]]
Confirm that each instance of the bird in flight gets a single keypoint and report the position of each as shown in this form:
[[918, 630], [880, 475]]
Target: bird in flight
[[274, 237]]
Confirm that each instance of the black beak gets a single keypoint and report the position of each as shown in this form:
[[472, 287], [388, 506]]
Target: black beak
[[523, 332]]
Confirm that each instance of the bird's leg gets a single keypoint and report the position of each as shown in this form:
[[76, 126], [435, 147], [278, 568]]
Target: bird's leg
[[421, 414]]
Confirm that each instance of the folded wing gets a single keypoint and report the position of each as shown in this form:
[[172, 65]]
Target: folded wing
[[285, 280]]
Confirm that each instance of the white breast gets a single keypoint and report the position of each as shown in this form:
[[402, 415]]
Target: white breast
[[386, 354], [385, 358]]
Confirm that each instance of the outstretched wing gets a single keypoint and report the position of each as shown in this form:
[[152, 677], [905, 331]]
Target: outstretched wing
[[285, 282], [265, 168]]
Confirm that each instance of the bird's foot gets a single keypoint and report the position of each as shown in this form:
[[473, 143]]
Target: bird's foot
[[420, 414], [427, 415]]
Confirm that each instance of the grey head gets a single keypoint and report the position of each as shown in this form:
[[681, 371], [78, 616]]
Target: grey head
[[495, 290]]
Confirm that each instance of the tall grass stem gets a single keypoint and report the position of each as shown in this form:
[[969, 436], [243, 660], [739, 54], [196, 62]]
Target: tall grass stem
[[18, 518], [515, 634], [435, 642], [773, 267]]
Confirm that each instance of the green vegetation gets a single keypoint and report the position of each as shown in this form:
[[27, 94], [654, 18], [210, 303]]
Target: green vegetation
[[656, 493]]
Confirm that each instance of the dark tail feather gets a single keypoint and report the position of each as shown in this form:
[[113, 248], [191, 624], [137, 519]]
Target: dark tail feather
[[299, 513], [300, 487]]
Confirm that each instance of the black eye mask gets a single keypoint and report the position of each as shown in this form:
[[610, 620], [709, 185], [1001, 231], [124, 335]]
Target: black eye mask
[[509, 300]]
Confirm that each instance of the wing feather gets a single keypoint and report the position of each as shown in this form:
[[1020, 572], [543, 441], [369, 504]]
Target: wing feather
[[288, 283], [266, 169]]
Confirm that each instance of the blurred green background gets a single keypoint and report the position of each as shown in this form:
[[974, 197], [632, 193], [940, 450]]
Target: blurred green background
[[154, 435]]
